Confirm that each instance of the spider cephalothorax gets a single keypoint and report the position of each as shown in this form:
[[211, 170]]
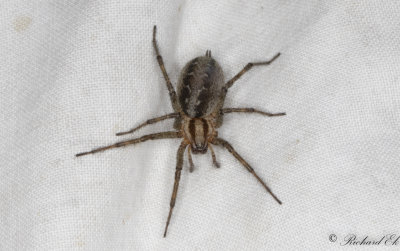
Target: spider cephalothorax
[[198, 112], [198, 132]]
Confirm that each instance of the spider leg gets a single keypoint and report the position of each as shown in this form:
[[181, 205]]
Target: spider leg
[[224, 143], [247, 68], [172, 93], [160, 135], [251, 110], [191, 168], [214, 159], [150, 121], [179, 164]]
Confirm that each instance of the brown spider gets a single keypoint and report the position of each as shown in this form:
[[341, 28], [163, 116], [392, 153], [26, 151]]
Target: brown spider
[[198, 112]]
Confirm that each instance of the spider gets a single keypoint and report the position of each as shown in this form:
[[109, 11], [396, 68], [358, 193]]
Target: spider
[[198, 112]]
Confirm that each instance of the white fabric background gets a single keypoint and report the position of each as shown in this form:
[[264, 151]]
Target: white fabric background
[[73, 73]]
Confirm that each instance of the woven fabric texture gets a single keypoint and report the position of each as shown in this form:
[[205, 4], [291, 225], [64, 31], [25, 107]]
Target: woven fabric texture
[[74, 73]]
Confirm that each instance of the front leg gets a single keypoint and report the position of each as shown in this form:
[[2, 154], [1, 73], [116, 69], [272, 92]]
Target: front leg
[[179, 164]]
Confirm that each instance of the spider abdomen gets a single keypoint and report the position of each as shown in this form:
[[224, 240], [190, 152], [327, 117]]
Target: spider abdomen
[[200, 86]]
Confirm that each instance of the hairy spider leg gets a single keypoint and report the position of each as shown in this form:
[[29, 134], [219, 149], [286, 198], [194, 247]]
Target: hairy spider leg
[[247, 68], [150, 121], [179, 164], [153, 136], [218, 114], [171, 90], [224, 143], [251, 110]]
